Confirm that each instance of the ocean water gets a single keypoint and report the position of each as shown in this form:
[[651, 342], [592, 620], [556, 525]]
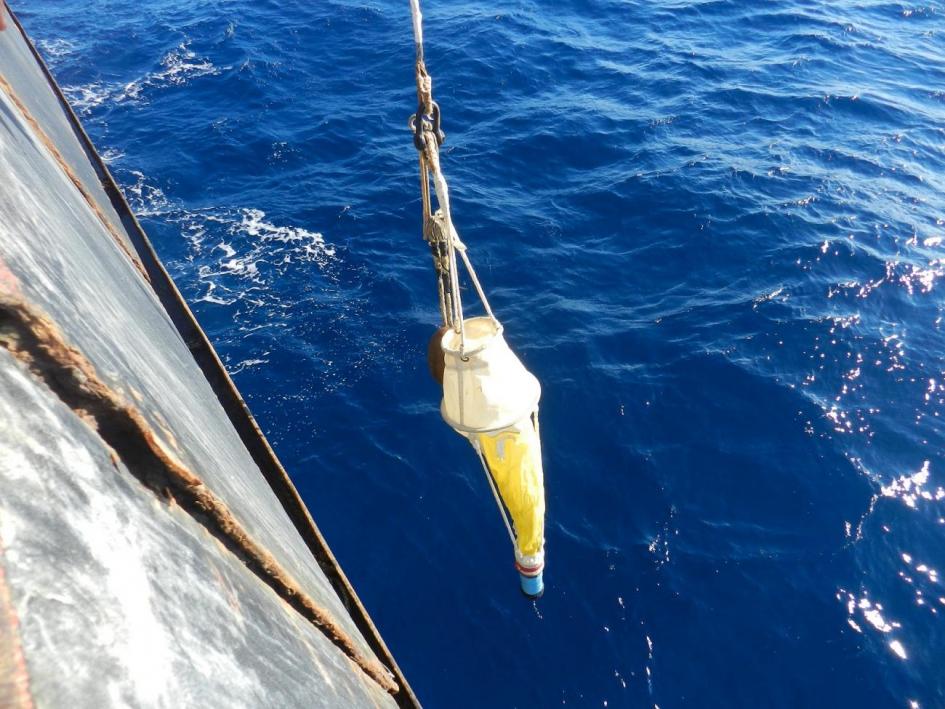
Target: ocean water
[[715, 230]]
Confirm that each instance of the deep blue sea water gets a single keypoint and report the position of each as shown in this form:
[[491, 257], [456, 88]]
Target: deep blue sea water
[[715, 230]]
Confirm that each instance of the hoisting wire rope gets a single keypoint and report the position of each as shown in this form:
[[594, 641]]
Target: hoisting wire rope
[[438, 226]]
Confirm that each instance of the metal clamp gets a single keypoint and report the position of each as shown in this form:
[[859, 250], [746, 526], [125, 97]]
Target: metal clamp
[[428, 122]]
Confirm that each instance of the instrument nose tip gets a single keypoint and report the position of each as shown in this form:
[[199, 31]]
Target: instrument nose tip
[[533, 586]]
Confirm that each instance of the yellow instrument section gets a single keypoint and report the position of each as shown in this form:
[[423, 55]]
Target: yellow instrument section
[[514, 458]]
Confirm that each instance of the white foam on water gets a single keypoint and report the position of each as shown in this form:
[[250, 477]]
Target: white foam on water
[[181, 65], [307, 246], [245, 364], [146, 200], [234, 254], [84, 99], [54, 50], [111, 155], [177, 68]]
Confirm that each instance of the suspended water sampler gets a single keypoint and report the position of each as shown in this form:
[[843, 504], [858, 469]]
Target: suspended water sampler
[[489, 397]]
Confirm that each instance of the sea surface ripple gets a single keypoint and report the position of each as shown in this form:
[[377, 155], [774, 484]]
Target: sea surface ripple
[[714, 229]]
